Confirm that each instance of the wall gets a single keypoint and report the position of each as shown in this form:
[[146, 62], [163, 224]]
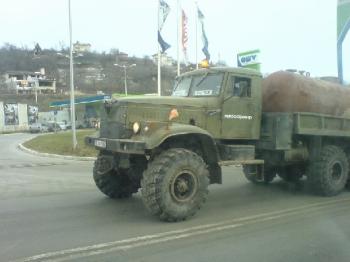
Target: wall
[[22, 120], [2, 119], [22, 115], [61, 116]]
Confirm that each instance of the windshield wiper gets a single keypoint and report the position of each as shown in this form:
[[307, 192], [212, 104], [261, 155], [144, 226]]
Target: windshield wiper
[[178, 84], [202, 79]]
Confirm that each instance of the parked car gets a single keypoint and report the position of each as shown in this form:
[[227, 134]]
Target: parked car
[[80, 124], [52, 127], [68, 125], [38, 127], [64, 125]]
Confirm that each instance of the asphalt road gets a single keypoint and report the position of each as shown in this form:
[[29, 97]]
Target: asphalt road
[[50, 210]]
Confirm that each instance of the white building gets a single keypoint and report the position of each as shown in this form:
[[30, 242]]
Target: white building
[[25, 82], [81, 47], [164, 59]]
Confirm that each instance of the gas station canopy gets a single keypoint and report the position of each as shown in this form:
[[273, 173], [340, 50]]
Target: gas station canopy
[[81, 100]]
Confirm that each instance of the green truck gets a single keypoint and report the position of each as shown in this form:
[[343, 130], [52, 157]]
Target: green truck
[[173, 147]]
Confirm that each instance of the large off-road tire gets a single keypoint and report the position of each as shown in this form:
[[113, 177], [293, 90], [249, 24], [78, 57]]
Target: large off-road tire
[[328, 174], [269, 175], [114, 183], [175, 184], [348, 182]]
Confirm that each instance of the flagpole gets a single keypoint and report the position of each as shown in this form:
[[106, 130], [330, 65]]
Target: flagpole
[[196, 34], [178, 39], [159, 72]]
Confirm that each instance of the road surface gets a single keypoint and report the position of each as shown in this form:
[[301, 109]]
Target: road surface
[[50, 210]]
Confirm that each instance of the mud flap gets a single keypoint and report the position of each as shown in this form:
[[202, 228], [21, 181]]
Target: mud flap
[[257, 171], [104, 164]]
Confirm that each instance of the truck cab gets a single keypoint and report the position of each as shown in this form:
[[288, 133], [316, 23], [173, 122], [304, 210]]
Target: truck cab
[[233, 100]]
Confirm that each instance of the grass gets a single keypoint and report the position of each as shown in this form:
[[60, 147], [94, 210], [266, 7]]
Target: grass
[[61, 143]]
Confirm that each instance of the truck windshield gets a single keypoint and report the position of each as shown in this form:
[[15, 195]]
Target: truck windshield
[[199, 85]]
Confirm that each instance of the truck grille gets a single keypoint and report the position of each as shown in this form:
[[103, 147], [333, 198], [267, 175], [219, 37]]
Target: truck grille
[[114, 130]]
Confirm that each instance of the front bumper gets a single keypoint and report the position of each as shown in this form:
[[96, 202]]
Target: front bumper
[[126, 146]]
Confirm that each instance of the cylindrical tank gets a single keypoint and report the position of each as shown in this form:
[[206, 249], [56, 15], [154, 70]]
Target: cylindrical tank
[[288, 92]]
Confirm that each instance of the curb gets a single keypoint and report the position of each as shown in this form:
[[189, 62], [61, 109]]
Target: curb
[[36, 153]]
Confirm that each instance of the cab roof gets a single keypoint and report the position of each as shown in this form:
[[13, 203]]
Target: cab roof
[[234, 70]]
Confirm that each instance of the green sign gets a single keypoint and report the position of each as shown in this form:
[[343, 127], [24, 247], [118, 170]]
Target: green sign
[[249, 59], [343, 27], [343, 15]]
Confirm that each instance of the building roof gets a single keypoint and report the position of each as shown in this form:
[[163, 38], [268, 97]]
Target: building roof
[[81, 100], [21, 73]]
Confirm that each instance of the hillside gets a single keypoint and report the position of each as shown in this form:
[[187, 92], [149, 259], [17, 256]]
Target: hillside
[[93, 71]]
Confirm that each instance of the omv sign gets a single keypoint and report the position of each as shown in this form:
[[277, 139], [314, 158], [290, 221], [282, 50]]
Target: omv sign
[[248, 58]]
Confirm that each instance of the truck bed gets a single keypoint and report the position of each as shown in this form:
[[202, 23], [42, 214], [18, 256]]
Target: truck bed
[[277, 129], [322, 125]]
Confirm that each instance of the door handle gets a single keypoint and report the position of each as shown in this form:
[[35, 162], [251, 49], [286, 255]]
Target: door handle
[[213, 112]]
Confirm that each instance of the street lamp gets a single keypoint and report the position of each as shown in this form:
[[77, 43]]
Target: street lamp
[[125, 83], [75, 55]]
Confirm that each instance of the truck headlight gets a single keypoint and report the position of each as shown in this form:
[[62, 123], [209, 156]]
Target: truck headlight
[[136, 127]]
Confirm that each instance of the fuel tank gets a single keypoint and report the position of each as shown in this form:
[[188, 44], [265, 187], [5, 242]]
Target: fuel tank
[[288, 92]]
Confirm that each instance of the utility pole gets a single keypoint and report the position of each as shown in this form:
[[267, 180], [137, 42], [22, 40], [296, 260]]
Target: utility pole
[[125, 67], [196, 3], [36, 94], [178, 38], [159, 72], [72, 97], [125, 82]]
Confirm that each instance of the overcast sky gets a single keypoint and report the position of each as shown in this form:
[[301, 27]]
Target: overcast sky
[[290, 33]]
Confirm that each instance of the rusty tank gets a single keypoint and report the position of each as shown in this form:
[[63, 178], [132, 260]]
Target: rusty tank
[[288, 92]]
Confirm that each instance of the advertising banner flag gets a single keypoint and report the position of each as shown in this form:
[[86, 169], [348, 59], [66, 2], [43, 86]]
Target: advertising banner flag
[[204, 36], [163, 45], [184, 38], [164, 10]]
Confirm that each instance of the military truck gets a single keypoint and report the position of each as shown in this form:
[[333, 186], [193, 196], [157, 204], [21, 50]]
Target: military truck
[[173, 147]]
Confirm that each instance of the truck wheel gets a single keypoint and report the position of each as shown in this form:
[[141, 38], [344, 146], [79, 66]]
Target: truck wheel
[[269, 175], [348, 182], [113, 183], [329, 174], [175, 184]]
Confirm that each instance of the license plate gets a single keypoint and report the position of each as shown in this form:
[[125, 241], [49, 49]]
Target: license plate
[[100, 143]]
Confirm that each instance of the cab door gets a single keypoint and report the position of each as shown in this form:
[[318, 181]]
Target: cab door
[[241, 110]]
